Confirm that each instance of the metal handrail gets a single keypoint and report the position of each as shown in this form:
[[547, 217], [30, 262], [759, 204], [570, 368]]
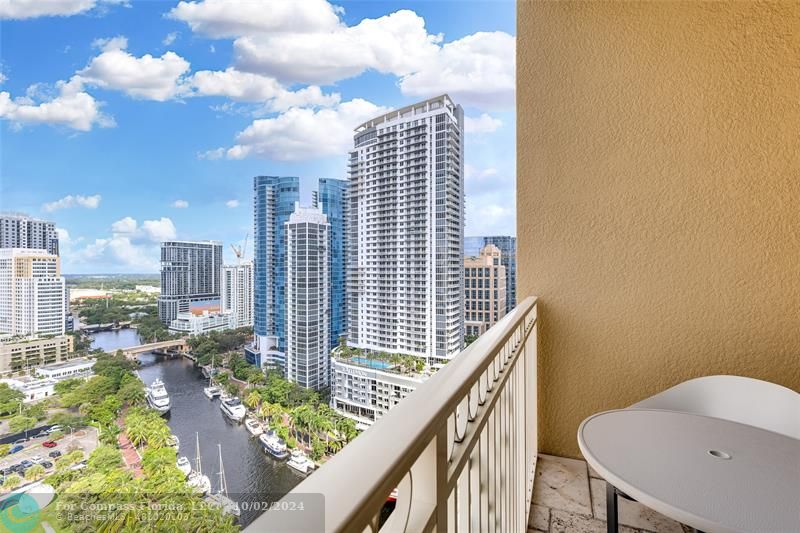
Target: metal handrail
[[356, 482]]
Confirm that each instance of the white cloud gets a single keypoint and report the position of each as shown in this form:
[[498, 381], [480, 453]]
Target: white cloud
[[116, 253], [72, 107], [125, 225], [249, 87], [231, 18], [212, 155], [482, 124], [150, 230], [25, 9], [232, 203], [303, 133], [476, 70], [212, 49], [159, 230], [89, 202], [180, 204], [106, 44], [149, 77], [3, 78], [397, 43], [169, 38], [63, 236]]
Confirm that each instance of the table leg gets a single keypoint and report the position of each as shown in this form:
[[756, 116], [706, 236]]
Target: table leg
[[611, 508]]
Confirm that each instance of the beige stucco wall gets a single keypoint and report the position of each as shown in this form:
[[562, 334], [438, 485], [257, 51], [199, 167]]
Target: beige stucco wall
[[658, 198]]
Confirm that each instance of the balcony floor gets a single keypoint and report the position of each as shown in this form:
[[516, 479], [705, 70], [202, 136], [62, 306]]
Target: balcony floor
[[568, 496]]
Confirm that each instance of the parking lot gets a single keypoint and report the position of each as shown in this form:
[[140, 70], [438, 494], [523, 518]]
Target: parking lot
[[84, 439]]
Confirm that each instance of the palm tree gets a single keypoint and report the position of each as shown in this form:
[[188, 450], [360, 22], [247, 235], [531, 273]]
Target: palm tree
[[136, 432], [252, 400]]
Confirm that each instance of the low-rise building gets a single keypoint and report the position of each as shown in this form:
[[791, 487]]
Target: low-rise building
[[188, 323], [19, 353], [75, 368], [364, 388], [33, 389]]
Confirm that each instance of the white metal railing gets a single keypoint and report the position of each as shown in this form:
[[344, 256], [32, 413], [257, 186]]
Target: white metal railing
[[461, 449]]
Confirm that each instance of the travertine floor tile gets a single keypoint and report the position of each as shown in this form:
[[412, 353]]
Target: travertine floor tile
[[562, 484], [539, 518], [565, 522], [631, 513]]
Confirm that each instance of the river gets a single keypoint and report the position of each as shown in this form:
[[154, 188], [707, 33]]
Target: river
[[252, 477]]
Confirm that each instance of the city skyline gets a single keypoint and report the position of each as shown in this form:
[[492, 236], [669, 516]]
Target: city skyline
[[217, 118]]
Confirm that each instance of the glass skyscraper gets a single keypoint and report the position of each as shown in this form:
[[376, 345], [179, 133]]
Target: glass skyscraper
[[331, 198], [273, 202], [508, 248]]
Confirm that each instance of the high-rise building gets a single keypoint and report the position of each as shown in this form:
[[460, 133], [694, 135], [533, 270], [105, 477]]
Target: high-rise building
[[484, 290], [31, 292], [18, 230], [190, 277], [273, 202], [308, 298], [508, 248], [331, 197], [236, 296], [405, 232]]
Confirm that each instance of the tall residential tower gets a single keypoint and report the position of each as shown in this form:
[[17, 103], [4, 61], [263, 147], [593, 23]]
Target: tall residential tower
[[190, 272], [236, 297], [405, 233], [308, 298], [331, 198], [31, 293], [274, 198], [18, 230]]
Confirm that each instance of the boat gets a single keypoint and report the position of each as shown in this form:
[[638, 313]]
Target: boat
[[220, 498], [224, 396], [174, 442], [253, 427], [196, 479], [233, 409], [212, 392], [157, 397], [184, 465], [274, 445], [300, 462]]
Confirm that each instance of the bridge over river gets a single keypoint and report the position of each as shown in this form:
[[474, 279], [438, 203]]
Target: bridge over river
[[179, 344]]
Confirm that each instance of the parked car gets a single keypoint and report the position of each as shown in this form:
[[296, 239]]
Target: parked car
[[50, 444], [6, 471], [46, 464], [36, 459], [57, 427], [20, 441], [26, 463], [16, 448], [54, 454]]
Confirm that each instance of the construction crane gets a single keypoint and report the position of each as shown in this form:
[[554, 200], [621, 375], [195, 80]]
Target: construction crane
[[240, 251]]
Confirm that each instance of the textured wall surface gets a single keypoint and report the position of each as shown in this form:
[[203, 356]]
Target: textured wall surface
[[658, 198]]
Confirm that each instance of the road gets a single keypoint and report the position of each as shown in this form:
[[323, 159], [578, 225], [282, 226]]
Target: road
[[85, 439]]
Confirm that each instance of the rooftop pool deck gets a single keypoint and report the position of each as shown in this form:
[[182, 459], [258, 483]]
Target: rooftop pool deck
[[377, 364]]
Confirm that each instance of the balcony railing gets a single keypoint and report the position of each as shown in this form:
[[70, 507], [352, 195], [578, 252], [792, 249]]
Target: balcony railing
[[461, 449]]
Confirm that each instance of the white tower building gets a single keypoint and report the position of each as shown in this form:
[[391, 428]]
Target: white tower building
[[308, 298], [236, 295], [32, 292], [405, 232]]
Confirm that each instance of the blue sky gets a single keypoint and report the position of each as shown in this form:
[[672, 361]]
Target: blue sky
[[129, 122]]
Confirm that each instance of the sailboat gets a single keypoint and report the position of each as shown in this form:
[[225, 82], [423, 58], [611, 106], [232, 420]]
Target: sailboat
[[211, 391], [197, 480], [221, 498]]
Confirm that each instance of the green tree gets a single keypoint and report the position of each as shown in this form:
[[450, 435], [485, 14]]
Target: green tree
[[35, 472], [132, 393], [104, 459], [12, 482], [21, 423], [9, 399], [252, 400], [4, 448]]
